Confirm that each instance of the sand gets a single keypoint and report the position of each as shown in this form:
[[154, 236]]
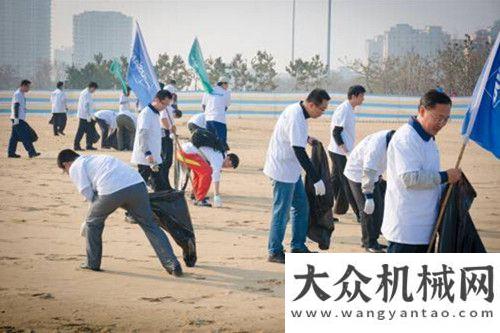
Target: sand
[[232, 288]]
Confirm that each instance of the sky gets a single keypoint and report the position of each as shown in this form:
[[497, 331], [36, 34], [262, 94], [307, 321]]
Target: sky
[[227, 27]]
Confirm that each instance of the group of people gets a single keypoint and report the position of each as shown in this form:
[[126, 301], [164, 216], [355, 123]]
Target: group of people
[[403, 207]]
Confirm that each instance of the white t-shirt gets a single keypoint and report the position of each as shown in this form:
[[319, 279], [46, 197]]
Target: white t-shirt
[[130, 114], [212, 156], [198, 120], [21, 99], [124, 102], [58, 101], [216, 104], [85, 105], [102, 174], [290, 130], [148, 120], [369, 153], [410, 214], [109, 116], [343, 116]]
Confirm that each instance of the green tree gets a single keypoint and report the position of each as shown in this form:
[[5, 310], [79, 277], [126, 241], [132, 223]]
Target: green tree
[[217, 68], [173, 69], [97, 71], [240, 73], [264, 72], [308, 74]]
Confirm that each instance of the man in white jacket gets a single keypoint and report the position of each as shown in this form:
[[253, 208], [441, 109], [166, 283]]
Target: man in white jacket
[[84, 113], [59, 109]]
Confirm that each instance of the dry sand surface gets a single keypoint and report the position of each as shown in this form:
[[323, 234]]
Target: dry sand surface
[[232, 288]]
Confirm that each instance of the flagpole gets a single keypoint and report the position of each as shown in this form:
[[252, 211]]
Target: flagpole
[[446, 198]]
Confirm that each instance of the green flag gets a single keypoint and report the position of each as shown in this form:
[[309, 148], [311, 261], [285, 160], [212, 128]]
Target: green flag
[[116, 69], [196, 61]]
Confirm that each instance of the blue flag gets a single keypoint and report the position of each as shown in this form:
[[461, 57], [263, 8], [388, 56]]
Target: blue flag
[[482, 120], [141, 76]]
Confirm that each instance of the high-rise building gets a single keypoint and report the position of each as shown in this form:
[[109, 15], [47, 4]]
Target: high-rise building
[[403, 39], [25, 35], [108, 33]]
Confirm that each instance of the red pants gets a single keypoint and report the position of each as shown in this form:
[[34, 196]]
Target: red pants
[[202, 173]]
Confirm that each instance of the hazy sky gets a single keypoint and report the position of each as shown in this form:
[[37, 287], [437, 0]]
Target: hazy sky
[[227, 27]]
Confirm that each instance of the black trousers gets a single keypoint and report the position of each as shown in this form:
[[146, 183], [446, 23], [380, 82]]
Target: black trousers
[[104, 133], [155, 179], [167, 151], [370, 224], [340, 182], [59, 122], [83, 128]]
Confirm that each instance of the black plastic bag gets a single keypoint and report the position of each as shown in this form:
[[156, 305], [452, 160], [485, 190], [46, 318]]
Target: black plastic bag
[[172, 213]]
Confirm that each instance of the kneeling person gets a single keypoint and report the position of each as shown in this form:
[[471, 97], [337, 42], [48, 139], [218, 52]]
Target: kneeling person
[[206, 164], [365, 165], [108, 183]]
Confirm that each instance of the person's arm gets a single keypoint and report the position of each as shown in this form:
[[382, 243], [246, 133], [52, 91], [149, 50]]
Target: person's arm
[[423, 179], [80, 178], [16, 113], [305, 163], [368, 179]]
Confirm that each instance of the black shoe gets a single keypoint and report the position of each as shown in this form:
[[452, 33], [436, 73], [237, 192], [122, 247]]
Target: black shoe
[[85, 266], [91, 148], [174, 269], [35, 155], [77, 148], [62, 133], [14, 156], [189, 253], [277, 258], [202, 203], [306, 250], [376, 248], [56, 134]]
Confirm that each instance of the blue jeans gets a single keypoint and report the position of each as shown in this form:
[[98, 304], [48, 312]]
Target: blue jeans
[[394, 247], [219, 129], [289, 200]]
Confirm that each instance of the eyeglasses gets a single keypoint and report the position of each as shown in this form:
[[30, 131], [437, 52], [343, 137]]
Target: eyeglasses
[[438, 119]]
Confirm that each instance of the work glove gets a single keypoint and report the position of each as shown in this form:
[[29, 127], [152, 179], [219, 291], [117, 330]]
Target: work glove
[[319, 188], [16, 121], [89, 118], [369, 206], [83, 229], [217, 201]]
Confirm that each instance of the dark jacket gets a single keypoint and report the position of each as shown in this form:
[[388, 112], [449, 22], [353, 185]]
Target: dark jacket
[[457, 232], [321, 220]]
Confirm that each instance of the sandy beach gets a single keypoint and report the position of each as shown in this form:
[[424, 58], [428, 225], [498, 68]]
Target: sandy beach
[[232, 288]]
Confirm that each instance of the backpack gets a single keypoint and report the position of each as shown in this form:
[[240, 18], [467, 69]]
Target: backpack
[[204, 138]]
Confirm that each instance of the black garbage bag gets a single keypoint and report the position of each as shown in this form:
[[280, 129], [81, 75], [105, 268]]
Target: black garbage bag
[[321, 220], [31, 132], [172, 215], [457, 232]]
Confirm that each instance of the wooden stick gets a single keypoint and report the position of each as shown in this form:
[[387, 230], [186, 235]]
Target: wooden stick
[[445, 201]]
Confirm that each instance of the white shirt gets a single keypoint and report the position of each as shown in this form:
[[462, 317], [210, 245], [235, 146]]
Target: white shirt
[[370, 153], [130, 114], [21, 99], [198, 120], [124, 102], [216, 104], [148, 120], [58, 101], [343, 116], [290, 130], [102, 174], [212, 156], [85, 105], [410, 214], [168, 114], [109, 116]]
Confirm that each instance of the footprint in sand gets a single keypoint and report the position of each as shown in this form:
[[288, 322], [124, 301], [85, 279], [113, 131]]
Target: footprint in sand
[[43, 295], [201, 322], [156, 299], [274, 282]]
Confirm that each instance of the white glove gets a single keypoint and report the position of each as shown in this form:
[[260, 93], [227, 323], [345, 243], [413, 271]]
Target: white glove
[[83, 229], [319, 188], [16, 121], [369, 206], [217, 201], [89, 119], [172, 136]]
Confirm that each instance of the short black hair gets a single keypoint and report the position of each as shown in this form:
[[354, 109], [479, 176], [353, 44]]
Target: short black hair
[[162, 85], [25, 82], [66, 155], [129, 89], [162, 94], [317, 96], [433, 97], [220, 83], [59, 84], [235, 160], [355, 91], [93, 85], [173, 82]]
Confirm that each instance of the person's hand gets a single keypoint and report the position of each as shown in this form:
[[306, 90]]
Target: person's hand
[[89, 119], [150, 159], [454, 175], [173, 129], [217, 201], [83, 229], [319, 188], [16, 121], [369, 206], [311, 140]]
